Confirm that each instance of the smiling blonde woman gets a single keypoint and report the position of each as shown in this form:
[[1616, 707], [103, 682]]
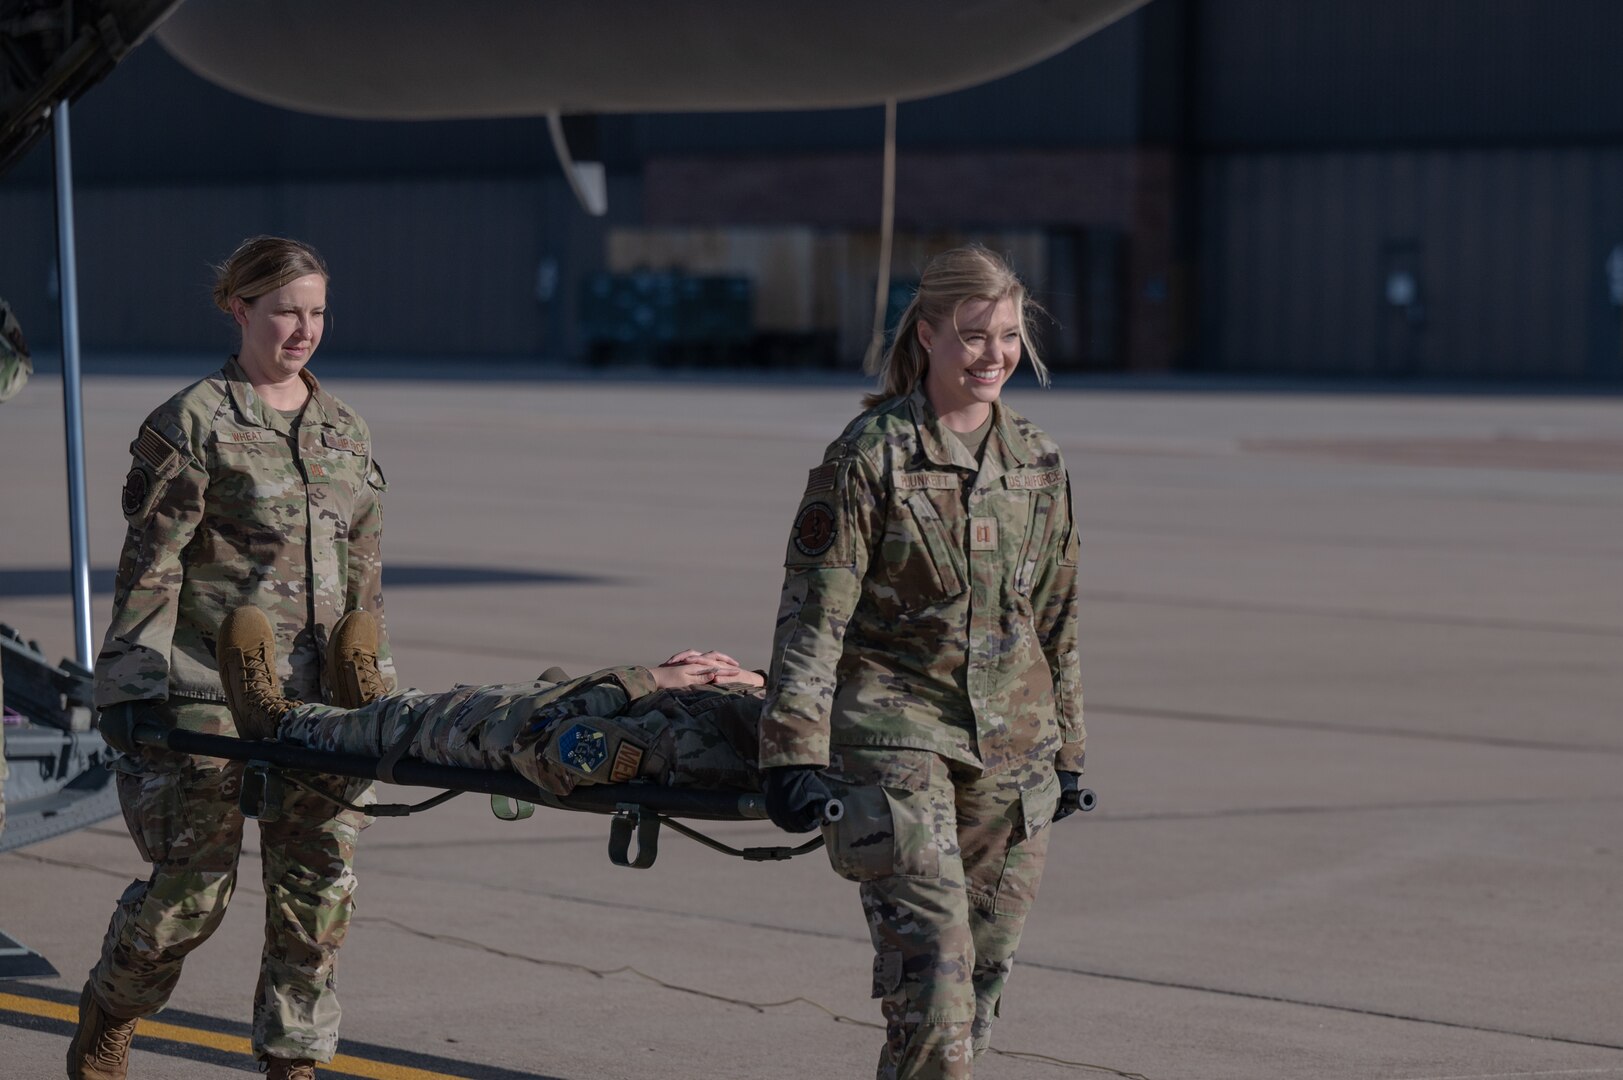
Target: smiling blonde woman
[[924, 668]]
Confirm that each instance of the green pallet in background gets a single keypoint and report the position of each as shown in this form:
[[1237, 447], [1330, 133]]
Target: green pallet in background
[[666, 308]]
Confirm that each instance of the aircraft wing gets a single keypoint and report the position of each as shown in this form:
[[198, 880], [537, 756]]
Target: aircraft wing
[[427, 59]]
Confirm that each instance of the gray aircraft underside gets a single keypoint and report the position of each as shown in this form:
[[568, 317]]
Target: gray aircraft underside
[[427, 59]]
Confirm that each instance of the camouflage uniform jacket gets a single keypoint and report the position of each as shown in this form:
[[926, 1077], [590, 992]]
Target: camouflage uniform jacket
[[226, 506], [15, 362], [929, 601]]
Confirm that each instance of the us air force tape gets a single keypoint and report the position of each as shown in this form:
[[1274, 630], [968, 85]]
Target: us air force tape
[[814, 529]]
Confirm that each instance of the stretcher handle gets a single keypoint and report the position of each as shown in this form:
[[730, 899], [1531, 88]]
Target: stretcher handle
[[1080, 799]]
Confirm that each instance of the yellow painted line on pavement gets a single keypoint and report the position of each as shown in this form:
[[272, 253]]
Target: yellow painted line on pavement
[[234, 1044]]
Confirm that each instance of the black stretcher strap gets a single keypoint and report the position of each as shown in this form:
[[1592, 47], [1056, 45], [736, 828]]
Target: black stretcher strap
[[376, 809]]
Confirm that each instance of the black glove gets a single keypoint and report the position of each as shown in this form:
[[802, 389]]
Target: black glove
[[1070, 795], [117, 723], [795, 797]]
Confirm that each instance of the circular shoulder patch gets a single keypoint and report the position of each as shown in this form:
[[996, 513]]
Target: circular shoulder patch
[[814, 529], [136, 486]]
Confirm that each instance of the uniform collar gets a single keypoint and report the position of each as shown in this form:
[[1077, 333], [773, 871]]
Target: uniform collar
[[318, 410], [1004, 445]]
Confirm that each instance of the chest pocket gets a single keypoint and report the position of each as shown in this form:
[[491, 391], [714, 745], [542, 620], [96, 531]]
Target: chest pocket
[[253, 478], [923, 560], [1040, 527]]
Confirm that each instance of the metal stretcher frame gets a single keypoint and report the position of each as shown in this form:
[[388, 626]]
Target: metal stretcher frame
[[638, 809]]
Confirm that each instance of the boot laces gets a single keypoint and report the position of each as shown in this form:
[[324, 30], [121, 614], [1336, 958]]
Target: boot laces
[[113, 1038], [368, 675]]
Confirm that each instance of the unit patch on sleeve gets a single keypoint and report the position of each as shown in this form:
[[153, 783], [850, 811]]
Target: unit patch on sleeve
[[814, 529], [136, 486], [583, 748]]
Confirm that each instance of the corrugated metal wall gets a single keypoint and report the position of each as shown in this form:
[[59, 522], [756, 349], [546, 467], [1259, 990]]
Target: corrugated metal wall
[[419, 267], [1316, 73], [1507, 250]]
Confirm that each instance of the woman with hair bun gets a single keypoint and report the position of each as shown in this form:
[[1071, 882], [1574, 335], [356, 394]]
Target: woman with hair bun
[[924, 668], [252, 486]]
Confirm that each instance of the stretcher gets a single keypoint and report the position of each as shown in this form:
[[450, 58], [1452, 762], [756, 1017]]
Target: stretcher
[[637, 810]]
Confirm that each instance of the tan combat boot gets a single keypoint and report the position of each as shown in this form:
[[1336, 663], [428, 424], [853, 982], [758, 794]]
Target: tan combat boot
[[352, 661], [100, 1049], [283, 1069], [246, 656]]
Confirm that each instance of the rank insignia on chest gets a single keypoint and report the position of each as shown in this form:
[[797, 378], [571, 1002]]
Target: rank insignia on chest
[[983, 534], [316, 472], [814, 529], [583, 748]]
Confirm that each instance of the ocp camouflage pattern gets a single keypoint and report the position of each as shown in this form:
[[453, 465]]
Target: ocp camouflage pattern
[[226, 505], [925, 659], [949, 860], [698, 736], [940, 614], [16, 363], [182, 812]]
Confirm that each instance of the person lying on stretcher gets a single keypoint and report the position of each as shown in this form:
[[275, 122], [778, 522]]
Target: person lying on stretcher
[[689, 722]]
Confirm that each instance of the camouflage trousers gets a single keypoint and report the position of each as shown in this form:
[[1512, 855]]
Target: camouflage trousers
[[693, 737], [949, 862], [182, 814]]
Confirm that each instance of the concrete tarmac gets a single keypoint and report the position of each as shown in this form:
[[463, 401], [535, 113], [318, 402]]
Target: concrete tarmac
[[1354, 699]]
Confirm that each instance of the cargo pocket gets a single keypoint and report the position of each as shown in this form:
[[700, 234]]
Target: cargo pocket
[[883, 834], [1041, 523], [1023, 863], [154, 810], [891, 817], [887, 972], [922, 562], [1068, 688], [862, 844]]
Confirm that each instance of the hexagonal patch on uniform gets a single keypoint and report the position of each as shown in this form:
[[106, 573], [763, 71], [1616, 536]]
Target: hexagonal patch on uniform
[[583, 748]]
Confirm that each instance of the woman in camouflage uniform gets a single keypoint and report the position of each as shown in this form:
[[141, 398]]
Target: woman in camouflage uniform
[[254, 485], [924, 667]]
